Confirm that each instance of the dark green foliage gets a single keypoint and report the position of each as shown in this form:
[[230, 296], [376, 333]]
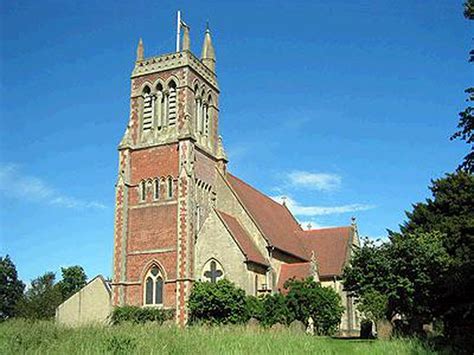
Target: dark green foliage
[[373, 305], [218, 303], [138, 315], [274, 310], [74, 278], [408, 270], [451, 211], [255, 307], [41, 299], [309, 299], [466, 117], [120, 344], [11, 288]]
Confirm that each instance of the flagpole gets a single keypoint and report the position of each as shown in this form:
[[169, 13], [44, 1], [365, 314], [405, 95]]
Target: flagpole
[[178, 31]]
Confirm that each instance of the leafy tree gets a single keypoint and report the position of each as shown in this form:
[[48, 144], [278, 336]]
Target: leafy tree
[[74, 278], [218, 303], [466, 117], [373, 305], [451, 211], [41, 299], [409, 270], [11, 288], [308, 298]]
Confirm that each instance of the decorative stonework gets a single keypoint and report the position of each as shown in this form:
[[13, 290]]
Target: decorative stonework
[[172, 61]]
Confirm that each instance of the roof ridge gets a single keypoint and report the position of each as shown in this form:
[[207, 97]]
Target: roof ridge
[[326, 228]]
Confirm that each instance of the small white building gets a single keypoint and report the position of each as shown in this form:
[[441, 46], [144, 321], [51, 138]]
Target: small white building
[[92, 304]]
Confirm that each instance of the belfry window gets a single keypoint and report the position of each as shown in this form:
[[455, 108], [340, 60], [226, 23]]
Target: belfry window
[[172, 107], [207, 118], [159, 106], [169, 184], [147, 109], [142, 190], [153, 294], [156, 189]]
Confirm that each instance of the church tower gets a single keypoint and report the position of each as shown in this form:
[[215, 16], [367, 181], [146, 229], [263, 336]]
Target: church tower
[[167, 169]]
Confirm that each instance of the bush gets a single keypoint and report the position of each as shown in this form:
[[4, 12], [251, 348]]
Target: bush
[[217, 303], [308, 298], [136, 314], [274, 310], [254, 307]]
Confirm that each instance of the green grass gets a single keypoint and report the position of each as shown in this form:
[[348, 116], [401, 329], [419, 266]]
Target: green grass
[[19, 337]]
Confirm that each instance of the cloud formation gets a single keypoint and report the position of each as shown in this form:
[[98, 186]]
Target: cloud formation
[[314, 181], [301, 210], [15, 184]]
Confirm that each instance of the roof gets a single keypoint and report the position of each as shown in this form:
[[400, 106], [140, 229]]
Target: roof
[[275, 221], [330, 246], [298, 271], [242, 239]]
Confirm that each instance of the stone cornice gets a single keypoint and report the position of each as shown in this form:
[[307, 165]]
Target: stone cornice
[[172, 61]]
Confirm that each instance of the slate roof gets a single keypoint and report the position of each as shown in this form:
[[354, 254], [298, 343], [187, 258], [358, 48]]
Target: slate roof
[[242, 239], [275, 221], [331, 246], [298, 271]]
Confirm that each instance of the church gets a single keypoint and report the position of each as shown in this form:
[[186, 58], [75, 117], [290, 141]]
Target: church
[[182, 216]]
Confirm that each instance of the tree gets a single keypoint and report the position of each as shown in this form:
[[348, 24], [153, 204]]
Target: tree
[[308, 298], [408, 269], [11, 288], [451, 212], [466, 117], [373, 305], [74, 278], [41, 299]]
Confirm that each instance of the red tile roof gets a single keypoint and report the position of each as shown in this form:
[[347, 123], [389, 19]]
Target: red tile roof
[[243, 240], [275, 221], [299, 271], [330, 246]]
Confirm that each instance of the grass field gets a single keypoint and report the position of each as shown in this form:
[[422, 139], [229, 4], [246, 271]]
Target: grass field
[[19, 337]]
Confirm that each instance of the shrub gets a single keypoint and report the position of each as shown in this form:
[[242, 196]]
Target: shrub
[[274, 310], [308, 298], [218, 303], [136, 314], [254, 307], [373, 305]]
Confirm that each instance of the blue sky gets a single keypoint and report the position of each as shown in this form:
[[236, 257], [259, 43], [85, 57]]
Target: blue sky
[[344, 107]]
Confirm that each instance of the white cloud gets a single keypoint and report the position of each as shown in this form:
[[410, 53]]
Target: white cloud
[[315, 181], [17, 185], [306, 225], [300, 210]]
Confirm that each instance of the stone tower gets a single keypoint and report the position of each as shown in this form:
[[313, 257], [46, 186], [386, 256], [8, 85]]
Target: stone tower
[[167, 167]]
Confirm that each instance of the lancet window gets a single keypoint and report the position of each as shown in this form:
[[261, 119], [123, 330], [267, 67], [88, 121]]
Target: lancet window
[[172, 106], [153, 287], [147, 109]]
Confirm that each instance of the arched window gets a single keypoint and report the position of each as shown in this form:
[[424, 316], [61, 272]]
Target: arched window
[[197, 113], [172, 103], [169, 184], [159, 106], [147, 109], [207, 118], [153, 294], [142, 190], [156, 189]]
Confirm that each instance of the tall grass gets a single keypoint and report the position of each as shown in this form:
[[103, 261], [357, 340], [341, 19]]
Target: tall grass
[[19, 337]]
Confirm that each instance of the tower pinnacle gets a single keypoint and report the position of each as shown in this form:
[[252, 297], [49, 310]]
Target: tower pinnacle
[[140, 51], [208, 55]]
